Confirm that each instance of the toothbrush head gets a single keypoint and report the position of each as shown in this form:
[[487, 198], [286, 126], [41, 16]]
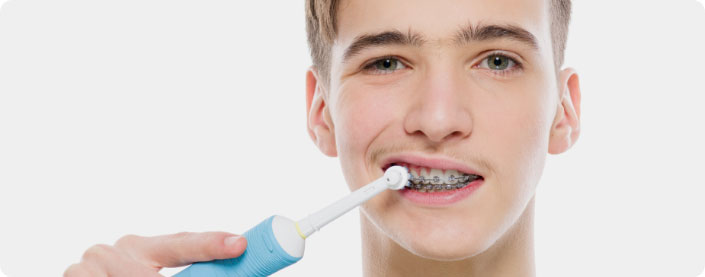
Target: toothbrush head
[[397, 177]]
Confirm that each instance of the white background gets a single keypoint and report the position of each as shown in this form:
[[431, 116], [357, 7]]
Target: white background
[[153, 117]]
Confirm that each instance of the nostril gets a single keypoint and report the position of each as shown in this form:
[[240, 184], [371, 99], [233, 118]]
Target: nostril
[[438, 137], [455, 134]]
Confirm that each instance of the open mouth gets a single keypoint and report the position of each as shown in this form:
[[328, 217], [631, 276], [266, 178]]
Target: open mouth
[[424, 179]]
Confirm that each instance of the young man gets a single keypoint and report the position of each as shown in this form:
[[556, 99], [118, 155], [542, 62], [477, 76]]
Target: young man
[[447, 88]]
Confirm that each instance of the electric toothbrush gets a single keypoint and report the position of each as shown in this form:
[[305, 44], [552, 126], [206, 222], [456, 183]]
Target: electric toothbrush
[[278, 242]]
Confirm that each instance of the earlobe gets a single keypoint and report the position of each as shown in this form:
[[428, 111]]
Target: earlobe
[[318, 119], [566, 125]]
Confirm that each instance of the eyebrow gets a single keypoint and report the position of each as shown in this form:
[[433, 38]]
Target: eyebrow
[[465, 35]]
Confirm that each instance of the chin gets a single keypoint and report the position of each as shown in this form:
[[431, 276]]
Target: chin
[[443, 248], [440, 238], [442, 252]]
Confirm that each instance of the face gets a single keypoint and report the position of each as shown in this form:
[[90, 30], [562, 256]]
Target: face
[[430, 99]]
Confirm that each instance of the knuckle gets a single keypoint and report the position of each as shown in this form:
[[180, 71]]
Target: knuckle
[[127, 241], [98, 252], [181, 235]]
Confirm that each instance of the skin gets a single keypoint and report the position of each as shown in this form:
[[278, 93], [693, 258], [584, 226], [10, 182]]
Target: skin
[[133, 255], [443, 102]]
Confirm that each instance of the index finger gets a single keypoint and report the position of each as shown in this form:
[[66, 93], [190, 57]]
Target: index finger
[[182, 248]]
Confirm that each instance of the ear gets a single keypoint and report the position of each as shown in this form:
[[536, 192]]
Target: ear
[[566, 124], [319, 123]]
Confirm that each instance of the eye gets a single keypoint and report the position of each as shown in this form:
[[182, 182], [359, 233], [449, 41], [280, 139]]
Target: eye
[[500, 64], [385, 65]]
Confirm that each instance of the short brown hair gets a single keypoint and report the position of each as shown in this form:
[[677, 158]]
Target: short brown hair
[[321, 28]]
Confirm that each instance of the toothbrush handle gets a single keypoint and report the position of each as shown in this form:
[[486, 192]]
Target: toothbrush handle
[[263, 257]]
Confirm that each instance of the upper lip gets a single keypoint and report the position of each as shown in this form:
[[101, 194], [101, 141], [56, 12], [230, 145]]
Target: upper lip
[[438, 162]]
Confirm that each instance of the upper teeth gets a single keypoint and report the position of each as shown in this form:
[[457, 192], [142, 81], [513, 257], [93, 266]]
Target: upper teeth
[[437, 176]]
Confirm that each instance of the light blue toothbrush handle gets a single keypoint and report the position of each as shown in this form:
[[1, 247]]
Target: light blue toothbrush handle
[[262, 257]]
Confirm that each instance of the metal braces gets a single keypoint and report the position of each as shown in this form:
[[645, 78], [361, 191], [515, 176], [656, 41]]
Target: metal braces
[[437, 187], [437, 179], [436, 184]]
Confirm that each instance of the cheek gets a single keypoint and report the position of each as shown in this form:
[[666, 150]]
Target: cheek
[[359, 120], [516, 121], [361, 114]]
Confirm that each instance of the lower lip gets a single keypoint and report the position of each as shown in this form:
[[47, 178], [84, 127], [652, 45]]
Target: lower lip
[[441, 198]]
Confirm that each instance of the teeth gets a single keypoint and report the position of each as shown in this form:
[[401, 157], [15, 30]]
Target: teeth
[[438, 177], [424, 172], [434, 180], [436, 174], [450, 176], [413, 177]]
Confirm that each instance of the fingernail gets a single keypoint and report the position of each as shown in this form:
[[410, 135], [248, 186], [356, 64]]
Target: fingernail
[[232, 240]]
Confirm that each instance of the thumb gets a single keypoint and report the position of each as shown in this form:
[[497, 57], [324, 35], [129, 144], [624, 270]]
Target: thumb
[[183, 248]]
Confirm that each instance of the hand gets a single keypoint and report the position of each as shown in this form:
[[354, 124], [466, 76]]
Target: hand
[[144, 256]]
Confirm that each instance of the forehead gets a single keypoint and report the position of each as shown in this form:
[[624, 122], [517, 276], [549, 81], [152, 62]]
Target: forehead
[[439, 20]]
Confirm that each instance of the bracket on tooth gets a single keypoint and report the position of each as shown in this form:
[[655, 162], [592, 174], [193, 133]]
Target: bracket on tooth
[[437, 179], [411, 178]]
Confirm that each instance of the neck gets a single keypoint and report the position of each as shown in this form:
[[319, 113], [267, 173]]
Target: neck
[[511, 255]]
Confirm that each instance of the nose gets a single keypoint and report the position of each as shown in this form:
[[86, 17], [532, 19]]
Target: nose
[[441, 108]]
